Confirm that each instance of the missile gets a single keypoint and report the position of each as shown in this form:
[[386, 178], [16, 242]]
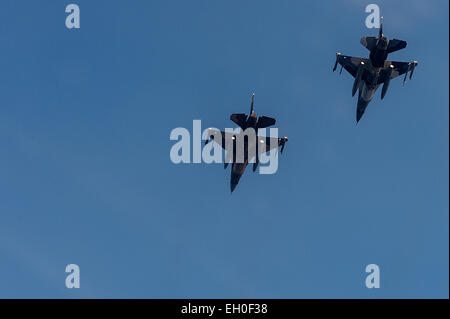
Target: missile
[[386, 83], [385, 87], [283, 143], [336, 63], [412, 69]]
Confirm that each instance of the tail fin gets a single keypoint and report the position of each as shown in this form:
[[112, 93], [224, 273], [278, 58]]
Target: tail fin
[[371, 42], [380, 32], [251, 106]]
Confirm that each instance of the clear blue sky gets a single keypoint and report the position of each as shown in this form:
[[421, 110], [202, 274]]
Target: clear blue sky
[[86, 178]]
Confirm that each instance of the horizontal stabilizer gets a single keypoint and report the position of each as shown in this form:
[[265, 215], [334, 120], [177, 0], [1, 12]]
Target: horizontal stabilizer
[[239, 119], [369, 42], [395, 45], [264, 121]]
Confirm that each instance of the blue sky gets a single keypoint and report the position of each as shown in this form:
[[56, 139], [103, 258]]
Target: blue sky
[[86, 178]]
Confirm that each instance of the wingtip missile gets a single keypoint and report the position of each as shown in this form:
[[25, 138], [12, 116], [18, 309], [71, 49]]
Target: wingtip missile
[[336, 63], [414, 64], [283, 143], [380, 33]]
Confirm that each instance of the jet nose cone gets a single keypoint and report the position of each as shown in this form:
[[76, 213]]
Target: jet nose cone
[[360, 109], [359, 114], [233, 186]]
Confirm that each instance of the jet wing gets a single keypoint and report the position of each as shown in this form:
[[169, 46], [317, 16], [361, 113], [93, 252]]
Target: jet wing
[[268, 143], [351, 63], [220, 137], [265, 144], [395, 45], [398, 68]]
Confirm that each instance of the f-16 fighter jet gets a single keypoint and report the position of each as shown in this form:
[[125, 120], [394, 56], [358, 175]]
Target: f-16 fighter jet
[[370, 73], [245, 146]]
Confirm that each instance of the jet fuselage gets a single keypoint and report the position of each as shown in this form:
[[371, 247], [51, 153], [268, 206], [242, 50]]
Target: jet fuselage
[[251, 122], [237, 170], [367, 89], [379, 54]]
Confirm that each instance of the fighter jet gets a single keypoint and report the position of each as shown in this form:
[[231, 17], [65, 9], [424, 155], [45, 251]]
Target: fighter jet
[[370, 73], [253, 147]]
